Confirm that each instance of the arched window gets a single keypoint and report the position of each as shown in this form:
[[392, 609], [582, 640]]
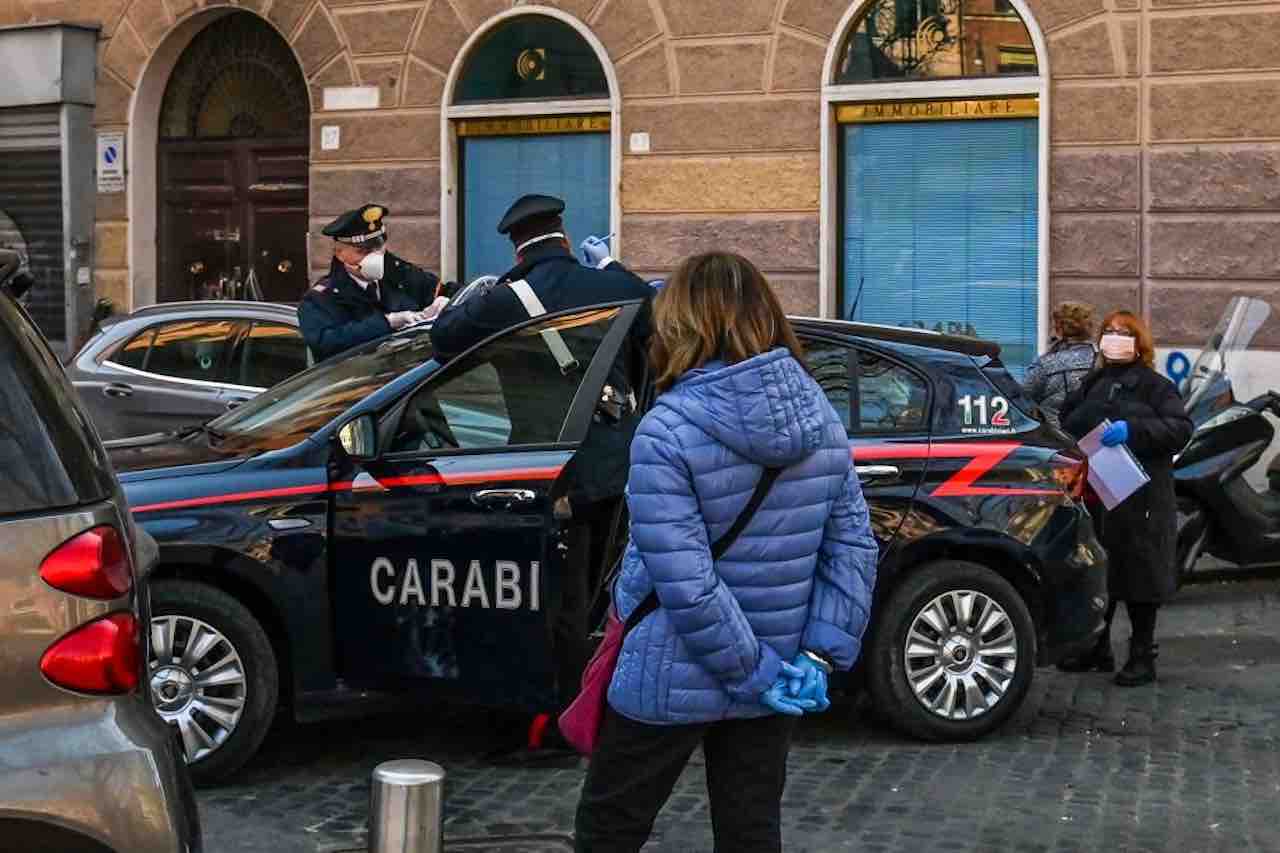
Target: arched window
[[919, 39], [238, 79], [531, 108], [529, 58], [935, 154]]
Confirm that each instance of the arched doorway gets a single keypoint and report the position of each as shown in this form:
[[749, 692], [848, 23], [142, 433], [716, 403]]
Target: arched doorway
[[935, 153], [232, 167], [531, 107]]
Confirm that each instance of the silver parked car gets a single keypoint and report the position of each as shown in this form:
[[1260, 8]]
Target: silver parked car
[[181, 363], [88, 765]]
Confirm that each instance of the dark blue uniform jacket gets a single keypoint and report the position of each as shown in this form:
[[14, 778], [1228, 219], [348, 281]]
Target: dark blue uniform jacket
[[337, 314], [599, 470], [560, 283]]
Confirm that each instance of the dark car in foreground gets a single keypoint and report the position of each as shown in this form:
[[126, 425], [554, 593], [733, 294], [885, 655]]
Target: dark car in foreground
[[370, 530], [88, 766], [176, 364]]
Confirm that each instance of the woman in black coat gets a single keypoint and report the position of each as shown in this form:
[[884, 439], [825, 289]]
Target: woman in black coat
[[1140, 533]]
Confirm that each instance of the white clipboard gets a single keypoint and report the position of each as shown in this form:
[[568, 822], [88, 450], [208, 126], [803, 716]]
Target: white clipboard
[[1114, 472]]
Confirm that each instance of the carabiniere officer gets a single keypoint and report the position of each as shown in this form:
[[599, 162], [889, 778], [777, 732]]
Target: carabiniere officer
[[369, 292], [587, 496]]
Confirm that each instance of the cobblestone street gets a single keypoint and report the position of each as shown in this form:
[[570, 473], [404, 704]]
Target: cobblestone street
[[1189, 765]]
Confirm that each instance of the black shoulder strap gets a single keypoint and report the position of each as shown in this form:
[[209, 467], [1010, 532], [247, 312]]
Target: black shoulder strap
[[767, 479]]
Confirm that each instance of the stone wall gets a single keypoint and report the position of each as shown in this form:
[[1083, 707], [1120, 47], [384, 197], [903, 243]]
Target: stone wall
[[1165, 165]]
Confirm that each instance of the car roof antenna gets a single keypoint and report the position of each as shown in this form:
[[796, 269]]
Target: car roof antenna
[[853, 312]]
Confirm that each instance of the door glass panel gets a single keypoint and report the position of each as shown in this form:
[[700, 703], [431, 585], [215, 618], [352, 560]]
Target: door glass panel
[[269, 354], [890, 397], [829, 365], [940, 229], [191, 350], [134, 353], [511, 392], [499, 169]]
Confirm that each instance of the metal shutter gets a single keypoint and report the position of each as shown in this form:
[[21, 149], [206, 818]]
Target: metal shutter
[[31, 201]]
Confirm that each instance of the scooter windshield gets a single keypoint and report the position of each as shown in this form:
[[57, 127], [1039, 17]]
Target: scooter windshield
[[1211, 375]]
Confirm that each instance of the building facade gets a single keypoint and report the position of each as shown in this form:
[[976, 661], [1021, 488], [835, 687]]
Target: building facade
[[952, 164]]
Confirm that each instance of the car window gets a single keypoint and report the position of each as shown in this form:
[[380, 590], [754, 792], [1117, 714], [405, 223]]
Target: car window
[[268, 354], [511, 392], [829, 364], [191, 349], [48, 452], [134, 353], [891, 398]]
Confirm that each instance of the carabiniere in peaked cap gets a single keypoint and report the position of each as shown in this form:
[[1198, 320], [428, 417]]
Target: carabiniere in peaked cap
[[359, 225], [527, 207]]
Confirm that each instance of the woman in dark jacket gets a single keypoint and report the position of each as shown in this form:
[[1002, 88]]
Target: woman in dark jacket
[[1140, 533], [1054, 375]]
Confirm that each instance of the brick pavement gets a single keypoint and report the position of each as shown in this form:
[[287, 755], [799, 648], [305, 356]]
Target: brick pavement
[[1189, 765]]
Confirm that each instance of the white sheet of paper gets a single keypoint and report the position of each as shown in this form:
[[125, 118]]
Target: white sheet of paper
[[1114, 473]]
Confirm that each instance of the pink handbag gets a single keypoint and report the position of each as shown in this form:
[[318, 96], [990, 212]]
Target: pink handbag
[[580, 723]]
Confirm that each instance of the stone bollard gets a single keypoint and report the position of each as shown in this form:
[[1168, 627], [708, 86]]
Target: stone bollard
[[406, 807]]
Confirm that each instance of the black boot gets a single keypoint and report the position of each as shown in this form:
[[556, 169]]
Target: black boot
[[1141, 666], [1098, 658]]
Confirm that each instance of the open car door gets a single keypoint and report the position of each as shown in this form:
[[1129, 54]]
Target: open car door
[[448, 560]]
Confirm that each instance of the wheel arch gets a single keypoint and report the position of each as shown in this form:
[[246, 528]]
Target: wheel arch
[[1008, 558], [223, 570]]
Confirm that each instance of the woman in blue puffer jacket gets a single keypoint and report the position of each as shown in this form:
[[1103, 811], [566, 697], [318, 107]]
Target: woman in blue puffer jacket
[[737, 647]]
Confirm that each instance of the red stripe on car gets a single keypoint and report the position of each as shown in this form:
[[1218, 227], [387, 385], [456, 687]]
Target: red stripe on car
[[433, 479], [982, 456]]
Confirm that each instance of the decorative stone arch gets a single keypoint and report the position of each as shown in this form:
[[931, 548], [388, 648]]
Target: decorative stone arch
[[449, 111], [143, 144], [834, 93]]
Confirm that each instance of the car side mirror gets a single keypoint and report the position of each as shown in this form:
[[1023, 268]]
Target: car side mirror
[[359, 438]]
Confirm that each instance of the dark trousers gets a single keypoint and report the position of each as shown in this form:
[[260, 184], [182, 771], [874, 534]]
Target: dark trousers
[[635, 766], [1142, 616]]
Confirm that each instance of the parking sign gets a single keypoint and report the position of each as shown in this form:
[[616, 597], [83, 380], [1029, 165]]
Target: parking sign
[[111, 162]]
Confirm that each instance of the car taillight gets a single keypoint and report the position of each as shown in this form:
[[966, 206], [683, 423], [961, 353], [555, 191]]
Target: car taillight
[[1072, 473], [93, 564], [102, 656]]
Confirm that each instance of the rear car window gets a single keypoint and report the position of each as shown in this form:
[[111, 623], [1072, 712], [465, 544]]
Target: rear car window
[[999, 376], [49, 454]]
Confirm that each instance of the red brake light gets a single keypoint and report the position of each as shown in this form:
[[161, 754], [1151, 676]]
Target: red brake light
[[102, 656], [94, 564]]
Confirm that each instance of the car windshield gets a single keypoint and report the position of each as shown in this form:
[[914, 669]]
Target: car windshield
[[296, 408]]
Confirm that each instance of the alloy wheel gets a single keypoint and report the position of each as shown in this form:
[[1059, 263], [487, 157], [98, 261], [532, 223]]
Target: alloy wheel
[[197, 682], [961, 653]]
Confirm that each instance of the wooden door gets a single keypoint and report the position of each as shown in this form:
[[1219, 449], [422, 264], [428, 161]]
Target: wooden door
[[228, 208]]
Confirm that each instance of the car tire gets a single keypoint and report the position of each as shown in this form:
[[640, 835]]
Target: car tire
[[935, 594], [224, 716]]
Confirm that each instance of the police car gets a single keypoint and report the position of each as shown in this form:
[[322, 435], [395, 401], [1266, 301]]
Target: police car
[[380, 526]]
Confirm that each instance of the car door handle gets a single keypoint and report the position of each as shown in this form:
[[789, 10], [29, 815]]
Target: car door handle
[[490, 497], [236, 402], [118, 389], [878, 472]]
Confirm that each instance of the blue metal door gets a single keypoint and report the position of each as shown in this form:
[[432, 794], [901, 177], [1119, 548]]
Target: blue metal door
[[496, 170]]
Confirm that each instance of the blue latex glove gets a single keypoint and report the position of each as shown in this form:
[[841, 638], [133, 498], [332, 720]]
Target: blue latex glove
[[1117, 433], [594, 250], [812, 684], [778, 697]]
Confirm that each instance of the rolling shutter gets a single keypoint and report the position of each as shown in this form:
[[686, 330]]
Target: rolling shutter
[[31, 208], [940, 228]]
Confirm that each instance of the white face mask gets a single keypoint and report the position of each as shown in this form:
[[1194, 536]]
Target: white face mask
[[372, 266], [1117, 347]]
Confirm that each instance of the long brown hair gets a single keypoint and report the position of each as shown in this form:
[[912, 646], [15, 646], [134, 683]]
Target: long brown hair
[[1143, 342], [715, 305]]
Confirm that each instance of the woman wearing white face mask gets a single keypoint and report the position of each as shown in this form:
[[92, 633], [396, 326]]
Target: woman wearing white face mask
[[1139, 534]]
